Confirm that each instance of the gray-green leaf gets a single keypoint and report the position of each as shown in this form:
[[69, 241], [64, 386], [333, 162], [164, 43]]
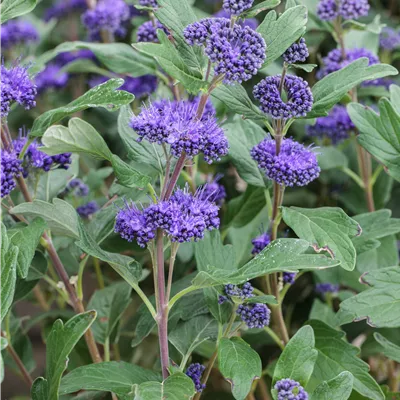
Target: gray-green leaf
[[338, 388], [14, 8], [389, 349]]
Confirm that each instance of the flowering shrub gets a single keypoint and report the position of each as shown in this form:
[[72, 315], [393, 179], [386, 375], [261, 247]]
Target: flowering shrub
[[197, 200]]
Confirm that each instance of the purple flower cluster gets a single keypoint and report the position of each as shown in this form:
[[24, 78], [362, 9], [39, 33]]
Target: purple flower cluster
[[237, 7], [289, 277], [10, 168], [230, 290], [260, 242], [63, 8], [295, 165], [77, 187], [16, 32], [297, 52], [140, 86], [183, 217], [299, 97], [289, 389], [109, 16], [88, 209], [237, 52], [255, 315], [34, 158], [337, 126], [174, 123], [16, 86], [147, 32], [148, 3], [328, 10], [194, 371], [214, 191], [52, 77], [67, 57], [323, 288], [389, 38]]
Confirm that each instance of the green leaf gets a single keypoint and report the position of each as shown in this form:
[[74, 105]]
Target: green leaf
[[109, 303], [338, 388], [395, 97], [279, 34], [304, 67], [129, 269], [380, 304], [3, 345], [333, 87], [335, 355], [116, 377], [39, 389], [60, 216], [60, 342], [328, 229], [81, 137], [239, 364], [298, 358], [389, 349], [243, 209], [281, 255], [265, 299], [171, 61], [14, 8], [8, 273], [260, 7], [117, 57], [104, 95], [176, 387], [27, 239], [242, 136], [189, 334], [324, 313], [330, 157], [237, 100], [379, 133]]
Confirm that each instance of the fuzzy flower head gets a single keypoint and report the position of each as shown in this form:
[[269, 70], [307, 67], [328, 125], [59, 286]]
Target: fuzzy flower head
[[244, 292], [297, 52], [77, 187], [147, 32], [237, 7], [195, 371], [17, 32], [88, 209], [10, 168], [326, 287], [108, 15], [16, 86], [237, 53], [337, 126], [299, 97], [260, 242], [63, 8], [289, 277], [214, 191], [389, 38], [52, 77], [255, 315], [295, 165], [288, 389], [328, 10], [174, 123]]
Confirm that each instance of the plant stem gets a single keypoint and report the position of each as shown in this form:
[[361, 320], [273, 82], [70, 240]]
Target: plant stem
[[24, 372], [99, 275], [162, 306], [174, 250], [274, 337], [107, 349]]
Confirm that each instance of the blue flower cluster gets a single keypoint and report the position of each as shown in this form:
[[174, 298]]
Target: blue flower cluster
[[260, 242], [148, 3], [389, 38], [147, 32], [237, 7], [289, 277], [289, 389], [174, 123], [295, 165], [77, 187], [63, 8], [108, 16], [297, 52], [214, 191], [17, 32], [88, 209], [328, 10], [337, 126], [230, 290], [194, 371], [10, 168], [255, 315], [299, 97], [183, 217], [16, 86], [326, 287], [237, 52], [52, 77], [34, 158]]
